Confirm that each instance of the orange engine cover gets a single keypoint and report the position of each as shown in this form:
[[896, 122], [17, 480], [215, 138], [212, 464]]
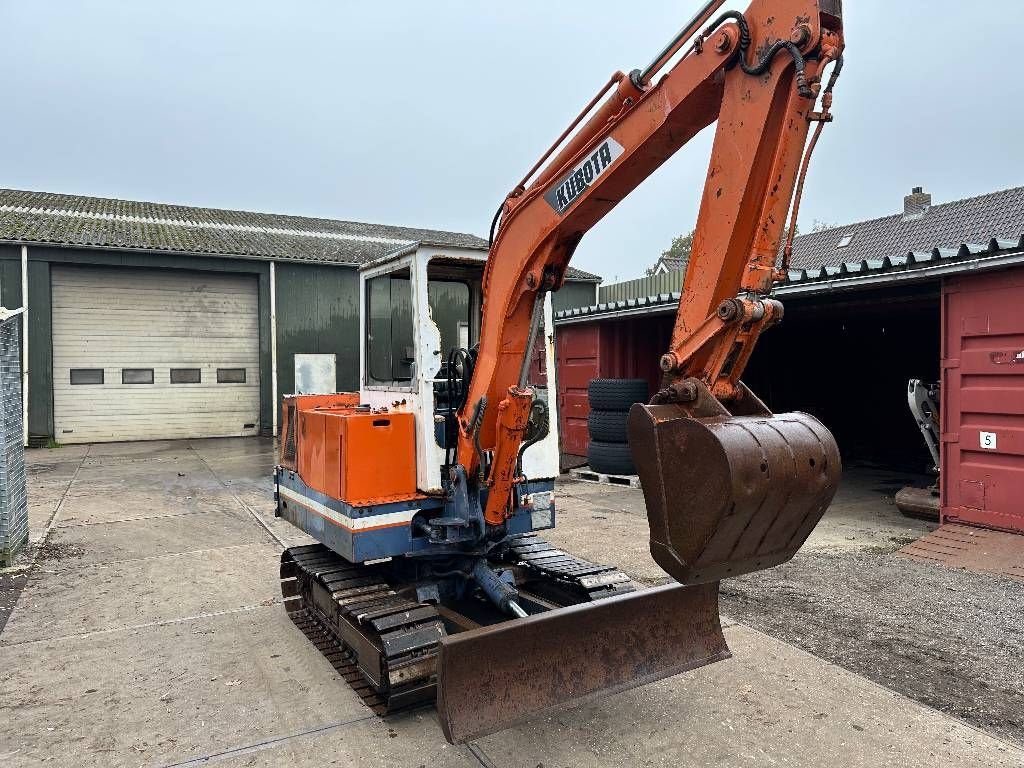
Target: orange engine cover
[[355, 456]]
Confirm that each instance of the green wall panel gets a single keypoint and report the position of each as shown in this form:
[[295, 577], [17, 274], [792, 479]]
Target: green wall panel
[[40, 350], [573, 294], [266, 385], [40, 341], [10, 277], [449, 306], [317, 313]]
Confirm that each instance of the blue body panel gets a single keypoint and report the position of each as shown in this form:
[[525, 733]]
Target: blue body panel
[[361, 533]]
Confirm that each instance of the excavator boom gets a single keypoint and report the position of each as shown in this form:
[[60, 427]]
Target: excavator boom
[[757, 74]]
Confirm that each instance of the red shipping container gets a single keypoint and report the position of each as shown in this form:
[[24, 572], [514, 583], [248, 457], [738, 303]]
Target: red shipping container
[[625, 348], [577, 350], [982, 481]]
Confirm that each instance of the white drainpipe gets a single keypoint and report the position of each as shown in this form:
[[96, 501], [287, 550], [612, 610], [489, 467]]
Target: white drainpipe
[[273, 347], [24, 341]]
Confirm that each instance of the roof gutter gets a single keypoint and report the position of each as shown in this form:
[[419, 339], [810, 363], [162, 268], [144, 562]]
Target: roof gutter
[[906, 275]]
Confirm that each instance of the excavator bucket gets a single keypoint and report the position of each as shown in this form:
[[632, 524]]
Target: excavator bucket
[[492, 677], [729, 494]]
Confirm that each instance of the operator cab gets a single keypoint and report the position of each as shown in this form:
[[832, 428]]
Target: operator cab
[[421, 310]]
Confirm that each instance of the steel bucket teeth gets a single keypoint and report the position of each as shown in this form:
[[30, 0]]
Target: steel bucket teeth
[[728, 495], [492, 677]]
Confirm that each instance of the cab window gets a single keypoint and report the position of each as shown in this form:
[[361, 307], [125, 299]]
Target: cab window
[[390, 355]]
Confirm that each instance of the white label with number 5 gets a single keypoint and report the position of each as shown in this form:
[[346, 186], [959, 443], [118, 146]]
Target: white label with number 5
[[988, 440]]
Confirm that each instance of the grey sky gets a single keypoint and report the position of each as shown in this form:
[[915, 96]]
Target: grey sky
[[425, 114]]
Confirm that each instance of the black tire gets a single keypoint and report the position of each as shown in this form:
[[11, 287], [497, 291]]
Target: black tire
[[616, 394], [610, 458], [607, 426]]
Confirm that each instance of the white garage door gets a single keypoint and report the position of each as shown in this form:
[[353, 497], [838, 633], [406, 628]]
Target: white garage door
[[141, 354]]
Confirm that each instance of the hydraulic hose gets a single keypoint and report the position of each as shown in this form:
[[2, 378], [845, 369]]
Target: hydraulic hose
[[456, 392], [803, 87]]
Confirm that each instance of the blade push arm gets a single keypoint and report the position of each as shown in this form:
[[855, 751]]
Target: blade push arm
[[757, 74]]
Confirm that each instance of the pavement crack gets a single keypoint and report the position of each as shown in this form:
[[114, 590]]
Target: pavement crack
[[479, 755], [226, 486], [66, 566], [146, 625], [214, 757], [138, 518], [52, 522]]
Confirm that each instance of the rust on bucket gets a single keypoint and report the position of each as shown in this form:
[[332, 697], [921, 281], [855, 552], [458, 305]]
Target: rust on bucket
[[728, 494]]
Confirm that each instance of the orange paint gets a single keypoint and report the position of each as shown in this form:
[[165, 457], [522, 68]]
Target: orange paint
[[348, 453]]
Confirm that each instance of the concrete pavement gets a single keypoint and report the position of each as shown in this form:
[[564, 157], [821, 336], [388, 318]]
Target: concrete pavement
[[150, 633]]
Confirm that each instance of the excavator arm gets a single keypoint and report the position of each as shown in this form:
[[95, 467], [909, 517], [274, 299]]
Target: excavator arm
[[759, 75]]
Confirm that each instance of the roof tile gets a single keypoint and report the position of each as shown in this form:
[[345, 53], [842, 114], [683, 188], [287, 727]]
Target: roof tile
[[71, 220], [997, 215]]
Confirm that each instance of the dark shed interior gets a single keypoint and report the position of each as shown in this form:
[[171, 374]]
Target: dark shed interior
[[846, 359]]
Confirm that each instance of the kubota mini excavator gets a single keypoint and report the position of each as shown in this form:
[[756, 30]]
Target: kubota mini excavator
[[426, 488]]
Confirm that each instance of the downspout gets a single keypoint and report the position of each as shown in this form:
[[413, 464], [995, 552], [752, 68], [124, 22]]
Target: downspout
[[24, 342], [273, 347]]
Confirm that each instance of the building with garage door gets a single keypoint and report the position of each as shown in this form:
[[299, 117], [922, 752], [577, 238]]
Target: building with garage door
[[152, 321], [935, 292]]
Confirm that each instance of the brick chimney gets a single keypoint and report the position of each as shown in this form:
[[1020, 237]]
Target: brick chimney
[[916, 203]]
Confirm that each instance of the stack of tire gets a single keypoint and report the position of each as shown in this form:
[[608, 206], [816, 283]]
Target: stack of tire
[[610, 401]]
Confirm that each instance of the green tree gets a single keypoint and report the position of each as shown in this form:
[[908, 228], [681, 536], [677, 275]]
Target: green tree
[[680, 249]]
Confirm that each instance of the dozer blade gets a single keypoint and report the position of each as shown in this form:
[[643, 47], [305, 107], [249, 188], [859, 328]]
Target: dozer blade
[[493, 677], [728, 495]]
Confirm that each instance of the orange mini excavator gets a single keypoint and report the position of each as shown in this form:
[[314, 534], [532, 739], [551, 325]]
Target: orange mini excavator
[[426, 489]]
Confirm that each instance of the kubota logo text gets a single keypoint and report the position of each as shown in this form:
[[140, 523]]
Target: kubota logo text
[[576, 182]]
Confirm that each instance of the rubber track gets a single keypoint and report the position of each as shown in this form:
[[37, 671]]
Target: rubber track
[[401, 632], [540, 557], [340, 658], [395, 633]]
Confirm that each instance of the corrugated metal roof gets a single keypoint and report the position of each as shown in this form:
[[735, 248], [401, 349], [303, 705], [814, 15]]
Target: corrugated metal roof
[[77, 220], [970, 220], [912, 261], [824, 278], [627, 307], [46, 217]]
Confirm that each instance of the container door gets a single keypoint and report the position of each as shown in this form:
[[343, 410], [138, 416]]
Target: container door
[[578, 364], [982, 478]]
